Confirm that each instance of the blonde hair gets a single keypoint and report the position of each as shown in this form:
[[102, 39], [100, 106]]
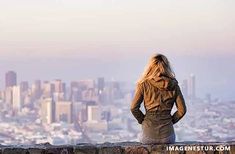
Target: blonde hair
[[158, 65]]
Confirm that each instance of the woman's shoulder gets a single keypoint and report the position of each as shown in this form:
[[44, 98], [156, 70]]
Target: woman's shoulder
[[144, 85]]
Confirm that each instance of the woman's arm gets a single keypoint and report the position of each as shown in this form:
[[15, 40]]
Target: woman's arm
[[180, 104], [136, 102]]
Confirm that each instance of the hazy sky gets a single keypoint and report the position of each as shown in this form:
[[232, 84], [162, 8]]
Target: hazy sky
[[73, 39]]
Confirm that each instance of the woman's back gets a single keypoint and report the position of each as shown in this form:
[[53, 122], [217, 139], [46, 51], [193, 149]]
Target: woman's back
[[159, 93]]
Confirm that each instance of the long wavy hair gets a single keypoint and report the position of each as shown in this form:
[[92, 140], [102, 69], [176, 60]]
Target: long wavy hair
[[158, 65]]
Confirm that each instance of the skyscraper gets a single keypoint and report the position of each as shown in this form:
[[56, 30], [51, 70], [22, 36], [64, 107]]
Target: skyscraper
[[75, 94], [100, 84], [192, 86], [59, 90], [8, 96], [36, 89], [10, 79], [16, 99], [100, 89], [63, 111], [86, 84], [94, 113], [47, 89], [24, 86], [47, 111], [58, 86], [77, 108]]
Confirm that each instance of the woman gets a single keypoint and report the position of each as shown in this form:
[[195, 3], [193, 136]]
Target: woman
[[159, 90]]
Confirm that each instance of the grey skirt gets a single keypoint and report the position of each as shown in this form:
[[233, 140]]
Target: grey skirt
[[148, 140], [157, 127]]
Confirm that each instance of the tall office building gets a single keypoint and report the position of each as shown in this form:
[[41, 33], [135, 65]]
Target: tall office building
[[93, 113], [192, 86], [113, 91], [60, 87], [10, 79], [36, 89], [63, 111], [95, 122], [100, 84], [77, 108], [64, 89], [16, 99], [75, 95], [25, 93], [24, 86], [59, 90], [73, 91], [48, 111], [89, 95], [8, 96], [47, 89], [86, 84], [58, 96], [74, 84], [100, 89]]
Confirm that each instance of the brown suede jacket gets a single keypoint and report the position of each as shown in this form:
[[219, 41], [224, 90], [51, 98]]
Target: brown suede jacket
[[160, 94]]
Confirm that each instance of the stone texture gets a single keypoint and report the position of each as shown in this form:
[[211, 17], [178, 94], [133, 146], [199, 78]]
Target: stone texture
[[114, 148]]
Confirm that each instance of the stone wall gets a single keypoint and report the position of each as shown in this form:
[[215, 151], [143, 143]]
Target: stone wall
[[124, 148]]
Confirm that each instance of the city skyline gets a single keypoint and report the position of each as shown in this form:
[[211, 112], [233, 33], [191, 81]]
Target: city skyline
[[188, 86], [97, 111], [214, 74]]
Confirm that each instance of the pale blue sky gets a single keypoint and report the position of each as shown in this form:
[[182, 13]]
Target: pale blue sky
[[60, 37], [65, 27]]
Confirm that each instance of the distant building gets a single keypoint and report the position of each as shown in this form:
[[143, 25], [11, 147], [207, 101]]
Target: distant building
[[192, 87], [25, 94], [10, 79], [59, 86], [47, 89], [74, 84], [94, 113], [75, 94], [58, 97], [24, 86], [36, 89], [100, 84], [113, 91], [63, 111], [100, 89], [86, 84], [8, 96], [16, 99], [48, 111], [77, 111], [27, 101], [59, 90], [89, 95], [82, 90], [95, 123]]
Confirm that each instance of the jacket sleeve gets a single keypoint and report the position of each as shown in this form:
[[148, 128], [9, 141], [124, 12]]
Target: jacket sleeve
[[180, 105], [136, 103]]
